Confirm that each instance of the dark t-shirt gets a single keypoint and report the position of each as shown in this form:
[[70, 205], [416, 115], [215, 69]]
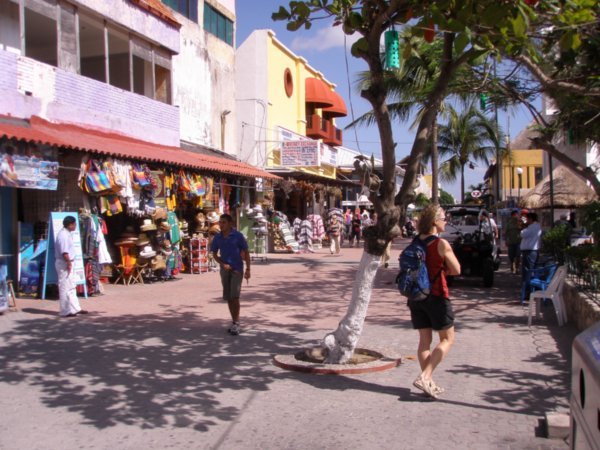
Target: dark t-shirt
[[356, 225]]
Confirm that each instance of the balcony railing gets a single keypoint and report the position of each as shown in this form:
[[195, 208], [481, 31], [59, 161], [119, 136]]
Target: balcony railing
[[335, 137], [317, 127]]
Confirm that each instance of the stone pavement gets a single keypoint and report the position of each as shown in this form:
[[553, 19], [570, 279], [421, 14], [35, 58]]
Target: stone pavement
[[151, 367]]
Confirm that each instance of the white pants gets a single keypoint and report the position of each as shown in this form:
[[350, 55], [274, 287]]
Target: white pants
[[68, 301], [335, 244]]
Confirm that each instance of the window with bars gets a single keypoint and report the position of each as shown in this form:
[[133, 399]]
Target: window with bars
[[217, 24]]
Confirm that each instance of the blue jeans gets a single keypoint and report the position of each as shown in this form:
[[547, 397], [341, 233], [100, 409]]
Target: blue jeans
[[528, 261]]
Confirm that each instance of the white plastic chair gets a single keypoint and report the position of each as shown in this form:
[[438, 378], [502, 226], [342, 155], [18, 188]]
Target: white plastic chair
[[554, 293]]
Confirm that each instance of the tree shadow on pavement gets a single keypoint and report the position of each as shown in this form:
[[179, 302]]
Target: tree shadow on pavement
[[150, 371]]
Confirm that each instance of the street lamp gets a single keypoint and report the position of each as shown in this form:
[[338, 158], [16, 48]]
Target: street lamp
[[520, 175]]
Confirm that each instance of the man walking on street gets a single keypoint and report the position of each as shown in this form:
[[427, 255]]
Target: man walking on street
[[230, 250], [64, 254]]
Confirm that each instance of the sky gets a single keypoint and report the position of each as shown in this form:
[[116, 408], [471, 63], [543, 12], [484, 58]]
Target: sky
[[326, 50]]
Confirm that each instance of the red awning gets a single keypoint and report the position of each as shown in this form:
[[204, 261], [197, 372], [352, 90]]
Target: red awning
[[81, 138], [338, 109], [318, 92]]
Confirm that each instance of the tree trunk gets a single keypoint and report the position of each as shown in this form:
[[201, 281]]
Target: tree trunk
[[587, 173], [462, 183], [435, 195], [341, 343]]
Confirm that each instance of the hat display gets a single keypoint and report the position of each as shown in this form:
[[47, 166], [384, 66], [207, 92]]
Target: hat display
[[142, 240], [212, 217], [159, 213], [124, 242], [164, 226], [148, 225], [257, 208], [148, 252]]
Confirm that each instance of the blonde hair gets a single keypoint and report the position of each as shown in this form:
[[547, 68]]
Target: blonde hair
[[427, 219]]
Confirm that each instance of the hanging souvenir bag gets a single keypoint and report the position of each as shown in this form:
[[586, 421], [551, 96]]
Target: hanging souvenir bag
[[139, 177], [115, 182], [96, 181], [200, 186], [183, 183], [111, 205]]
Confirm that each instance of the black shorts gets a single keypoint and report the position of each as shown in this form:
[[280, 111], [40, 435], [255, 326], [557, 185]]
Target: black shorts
[[434, 312]]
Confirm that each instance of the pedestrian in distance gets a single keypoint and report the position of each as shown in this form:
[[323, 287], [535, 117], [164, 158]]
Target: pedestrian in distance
[[355, 228], [435, 312], [64, 253], [512, 237], [230, 251], [335, 232], [531, 239]]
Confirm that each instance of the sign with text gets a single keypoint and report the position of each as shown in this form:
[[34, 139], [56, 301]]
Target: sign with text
[[300, 153], [29, 166], [329, 155]]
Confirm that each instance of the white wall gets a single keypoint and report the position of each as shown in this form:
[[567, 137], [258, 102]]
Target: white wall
[[204, 86], [137, 19], [28, 87], [252, 99]]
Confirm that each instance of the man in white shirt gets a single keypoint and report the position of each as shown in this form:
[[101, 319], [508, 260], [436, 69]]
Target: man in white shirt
[[64, 253], [531, 238]]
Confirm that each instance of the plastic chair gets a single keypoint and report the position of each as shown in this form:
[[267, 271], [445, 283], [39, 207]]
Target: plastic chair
[[552, 292], [542, 276]]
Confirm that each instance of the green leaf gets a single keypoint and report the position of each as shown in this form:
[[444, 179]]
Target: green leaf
[[519, 27], [359, 48], [569, 41], [293, 26], [282, 14], [461, 41]]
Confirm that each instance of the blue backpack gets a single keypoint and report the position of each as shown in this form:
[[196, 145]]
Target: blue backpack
[[413, 280]]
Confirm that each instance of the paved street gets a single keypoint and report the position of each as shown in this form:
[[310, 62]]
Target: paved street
[[152, 367]]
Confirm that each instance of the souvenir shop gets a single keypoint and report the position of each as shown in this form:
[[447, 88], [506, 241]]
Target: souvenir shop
[[145, 212]]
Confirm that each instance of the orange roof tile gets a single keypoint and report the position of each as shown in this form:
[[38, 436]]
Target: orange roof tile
[[82, 138], [157, 8]]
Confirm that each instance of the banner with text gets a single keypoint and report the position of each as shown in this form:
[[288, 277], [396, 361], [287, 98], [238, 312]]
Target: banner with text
[[300, 153]]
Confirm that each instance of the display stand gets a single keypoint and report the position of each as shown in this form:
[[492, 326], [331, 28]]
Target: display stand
[[55, 224], [198, 255], [260, 247]]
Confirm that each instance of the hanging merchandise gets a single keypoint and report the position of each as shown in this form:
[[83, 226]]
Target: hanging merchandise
[[183, 182], [110, 205], [140, 177], [170, 192], [200, 185], [95, 181], [392, 46]]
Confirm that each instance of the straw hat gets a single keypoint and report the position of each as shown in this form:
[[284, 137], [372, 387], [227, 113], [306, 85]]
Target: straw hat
[[126, 242], [128, 233], [158, 262], [148, 252], [142, 240], [164, 226], [212, 217], [257, 208], [148, 225], [159, 213]]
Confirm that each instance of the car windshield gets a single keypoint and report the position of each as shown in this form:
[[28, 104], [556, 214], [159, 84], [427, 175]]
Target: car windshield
[[461, 218]]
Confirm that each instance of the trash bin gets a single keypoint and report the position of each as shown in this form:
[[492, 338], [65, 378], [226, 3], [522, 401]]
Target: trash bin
[[585, 390]]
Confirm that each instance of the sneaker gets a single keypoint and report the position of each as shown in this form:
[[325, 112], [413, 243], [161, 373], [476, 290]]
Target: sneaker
[[234, 329]]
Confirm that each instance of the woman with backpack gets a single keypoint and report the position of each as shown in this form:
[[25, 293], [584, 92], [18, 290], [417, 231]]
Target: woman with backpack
[[434, 313]]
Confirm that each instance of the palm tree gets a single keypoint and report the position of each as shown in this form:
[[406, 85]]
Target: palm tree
[[468, 137]]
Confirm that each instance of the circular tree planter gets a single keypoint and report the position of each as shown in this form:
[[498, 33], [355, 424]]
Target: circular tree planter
[[312, 360]]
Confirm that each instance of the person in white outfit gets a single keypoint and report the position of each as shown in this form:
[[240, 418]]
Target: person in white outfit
[[64, 252], [335, 231]]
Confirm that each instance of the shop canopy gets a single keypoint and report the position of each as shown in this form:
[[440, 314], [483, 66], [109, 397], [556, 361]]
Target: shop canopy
[[102, 142]]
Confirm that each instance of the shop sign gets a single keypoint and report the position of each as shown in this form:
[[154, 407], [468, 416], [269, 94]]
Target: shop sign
[[29, 166], [329, 155], [299, 153]]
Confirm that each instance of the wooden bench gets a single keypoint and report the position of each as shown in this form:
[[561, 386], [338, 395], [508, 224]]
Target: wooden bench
[[554, 293]]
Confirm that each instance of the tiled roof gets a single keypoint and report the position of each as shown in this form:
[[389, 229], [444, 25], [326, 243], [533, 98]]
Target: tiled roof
[[82, 138], [157, 8]]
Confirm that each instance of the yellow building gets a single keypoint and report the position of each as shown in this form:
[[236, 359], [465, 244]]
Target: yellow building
[[286, 109], [522, 168]]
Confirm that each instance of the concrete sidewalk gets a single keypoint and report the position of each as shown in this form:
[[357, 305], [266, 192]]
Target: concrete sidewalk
[[152, 367]]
